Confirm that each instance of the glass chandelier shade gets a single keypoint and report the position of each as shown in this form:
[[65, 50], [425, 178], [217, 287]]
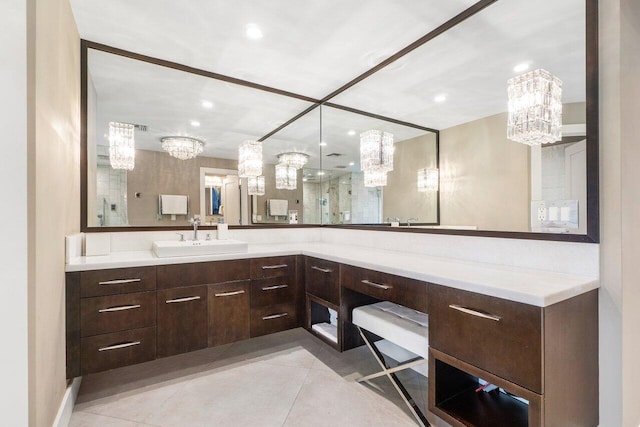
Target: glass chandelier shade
[[377, 178], [182, 147], [122, 151], [297, 160], [535, 108], [428, 180], [250, 159], [376, 151], [286, 177], [256, 185]]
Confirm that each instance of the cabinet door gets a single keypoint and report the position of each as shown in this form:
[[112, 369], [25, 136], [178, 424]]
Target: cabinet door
[[322, 279], [182, 320], [228, 312]]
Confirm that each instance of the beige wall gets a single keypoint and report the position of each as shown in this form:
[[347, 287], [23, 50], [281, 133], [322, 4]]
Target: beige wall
[[400, 197], [55, 197], [484, 177], [156, 173], [271, 192]]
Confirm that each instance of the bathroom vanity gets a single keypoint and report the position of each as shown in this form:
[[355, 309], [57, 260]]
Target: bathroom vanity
[[532, 333]]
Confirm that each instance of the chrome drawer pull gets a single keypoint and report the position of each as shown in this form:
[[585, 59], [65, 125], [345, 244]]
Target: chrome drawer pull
[[275, 316], [376, 285], [475, 312], [185, 299], [271, 267], [121, 308], [271, 288], [117, 346], [119, 281], [324, 270], [228, 294]]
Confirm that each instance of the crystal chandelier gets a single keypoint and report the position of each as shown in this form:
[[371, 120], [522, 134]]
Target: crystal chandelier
[[428, 179], [535, 108], [376, 178], [122, 152], [250, 159], [376, 151], [256, 185], [297, 160], [286, 177], [182, 147]]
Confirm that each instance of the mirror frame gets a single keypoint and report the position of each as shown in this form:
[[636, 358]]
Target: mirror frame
[[592, 119]]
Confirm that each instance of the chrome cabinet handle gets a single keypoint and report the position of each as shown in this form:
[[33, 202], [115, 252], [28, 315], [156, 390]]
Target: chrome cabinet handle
[[228, 294], [185, 299], [324, 270], [271, 288], [376, 285], [475, 312], [117, 346], [120, 308], [275, 316], [119, 281], [271, 267]]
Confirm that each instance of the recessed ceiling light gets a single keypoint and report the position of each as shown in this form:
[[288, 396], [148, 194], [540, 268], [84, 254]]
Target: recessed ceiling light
[[323, 144], [253, 32], [440, 98], [207, 104], [351, 163], [304, 179], [320, 173], [521, 67], [195, 123], [351, 132]]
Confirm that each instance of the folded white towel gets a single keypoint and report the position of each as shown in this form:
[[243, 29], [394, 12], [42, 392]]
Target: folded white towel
[[326, 330]]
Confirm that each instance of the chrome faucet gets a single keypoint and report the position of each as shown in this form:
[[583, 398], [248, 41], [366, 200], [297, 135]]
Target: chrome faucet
[[196, 222], [410, 221]]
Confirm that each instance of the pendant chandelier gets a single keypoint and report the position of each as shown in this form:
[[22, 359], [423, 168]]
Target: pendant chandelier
[[428, 180], [297, 160], [122, 152], [182, 147], [286, 177], [256, 185], [250, 159], [535, 108], [376, 156]]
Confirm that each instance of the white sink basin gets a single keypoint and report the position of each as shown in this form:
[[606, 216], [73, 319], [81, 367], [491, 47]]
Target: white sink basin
[[170, 248]]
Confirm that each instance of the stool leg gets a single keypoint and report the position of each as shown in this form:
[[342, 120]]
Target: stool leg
[[413, 407]]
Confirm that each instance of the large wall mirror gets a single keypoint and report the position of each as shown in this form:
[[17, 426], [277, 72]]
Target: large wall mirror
[[444, 103]]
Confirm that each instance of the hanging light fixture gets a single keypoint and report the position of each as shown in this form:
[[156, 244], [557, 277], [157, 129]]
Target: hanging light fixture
[[376, 150], [286, 177], [428, 180], [297, 160], [182, 147], [256, 185], [250, 159], [376, 178], [535, 108], [122, 152]]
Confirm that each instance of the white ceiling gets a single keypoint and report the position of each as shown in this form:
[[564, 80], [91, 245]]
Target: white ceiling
[[312, 48]]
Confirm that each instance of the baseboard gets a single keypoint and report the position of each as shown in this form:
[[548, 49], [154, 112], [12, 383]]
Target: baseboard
[[68, 401]]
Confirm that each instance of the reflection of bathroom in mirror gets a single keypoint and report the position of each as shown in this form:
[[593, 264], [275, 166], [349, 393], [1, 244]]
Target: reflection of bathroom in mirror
[[222, 197]]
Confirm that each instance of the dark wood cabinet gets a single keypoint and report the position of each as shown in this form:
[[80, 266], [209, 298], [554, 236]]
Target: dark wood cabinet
[[229, 311], [273, 267], [101, 315], [182, 320], [273, 290], [202, 273], [322, 279], [109, 351], [117, 281], [274, 318]]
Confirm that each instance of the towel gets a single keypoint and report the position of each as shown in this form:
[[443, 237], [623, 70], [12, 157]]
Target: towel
[[278, 207], [174, 204]]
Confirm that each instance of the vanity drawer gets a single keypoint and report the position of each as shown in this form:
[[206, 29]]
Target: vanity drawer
[[109, 351], [100, 315], [401, 290], [202, 273], [272, 291], [322, 279], [117, 281], [273, 267], [275, 318], [499, 336]]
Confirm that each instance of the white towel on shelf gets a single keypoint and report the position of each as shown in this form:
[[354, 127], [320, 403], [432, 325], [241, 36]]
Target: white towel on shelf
[[333, 317], [174, 204]]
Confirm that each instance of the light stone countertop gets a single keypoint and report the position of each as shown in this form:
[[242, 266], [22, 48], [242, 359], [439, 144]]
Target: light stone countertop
[[536, 287]]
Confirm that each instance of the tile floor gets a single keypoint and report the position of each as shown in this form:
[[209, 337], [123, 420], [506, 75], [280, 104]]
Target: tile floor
[[285, 379]]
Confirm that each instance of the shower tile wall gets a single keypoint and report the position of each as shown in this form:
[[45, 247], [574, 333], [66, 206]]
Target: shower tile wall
[[365, 202], [311, 202], [111, 193]]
